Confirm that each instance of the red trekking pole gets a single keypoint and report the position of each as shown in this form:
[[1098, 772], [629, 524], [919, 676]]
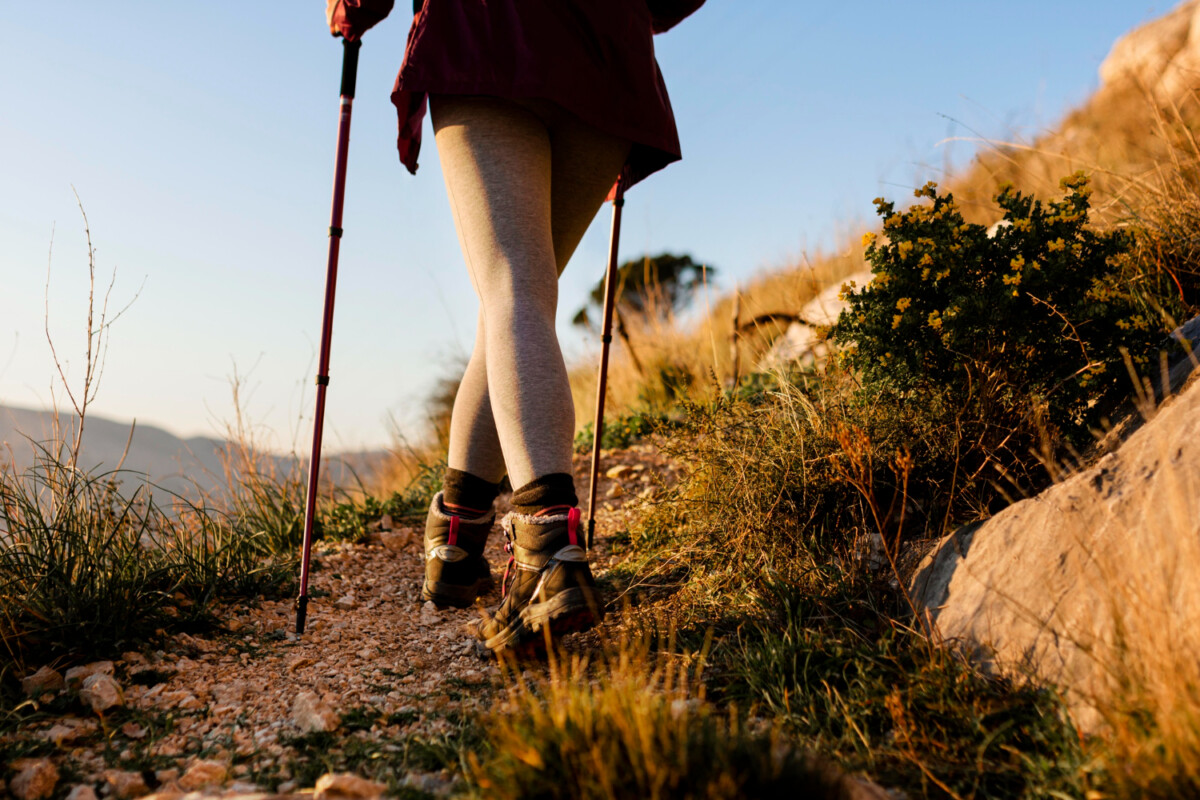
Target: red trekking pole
[[610, 290], [349, 73]]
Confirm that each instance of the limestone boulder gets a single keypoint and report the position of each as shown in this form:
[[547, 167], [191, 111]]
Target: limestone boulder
[[1095, 576], [1162, 56]]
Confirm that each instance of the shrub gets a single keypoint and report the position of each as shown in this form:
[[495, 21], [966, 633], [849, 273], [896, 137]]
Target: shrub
[[1024, 330]]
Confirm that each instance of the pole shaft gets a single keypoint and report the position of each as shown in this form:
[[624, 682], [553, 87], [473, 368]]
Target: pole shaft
[[610, 289], [349, 70]]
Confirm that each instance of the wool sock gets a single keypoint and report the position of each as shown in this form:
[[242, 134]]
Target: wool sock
[[467, 495], [553, 491]]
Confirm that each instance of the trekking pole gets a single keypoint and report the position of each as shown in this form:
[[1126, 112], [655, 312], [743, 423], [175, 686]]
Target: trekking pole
[[610, 290], [349, 74]]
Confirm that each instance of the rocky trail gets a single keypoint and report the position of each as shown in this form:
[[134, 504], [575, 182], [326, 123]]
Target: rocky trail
[[375, 698]]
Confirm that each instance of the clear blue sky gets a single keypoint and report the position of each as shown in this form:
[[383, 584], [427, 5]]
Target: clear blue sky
[[200, 138]]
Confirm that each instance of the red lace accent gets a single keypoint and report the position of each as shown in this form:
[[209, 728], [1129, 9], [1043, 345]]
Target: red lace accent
[[504, 581], [573, 526], [454, 531]]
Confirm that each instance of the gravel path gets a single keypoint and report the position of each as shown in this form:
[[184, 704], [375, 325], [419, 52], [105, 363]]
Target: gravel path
[[254, 708]]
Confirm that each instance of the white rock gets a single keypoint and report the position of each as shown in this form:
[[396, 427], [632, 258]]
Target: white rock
[[203, 774], [618, 471], [1055, 583], [76, 675], [101, 692], [616, 490], [346, 602], [36, 779], [340, 786], [45, 679], [310, 713], [82, 791]]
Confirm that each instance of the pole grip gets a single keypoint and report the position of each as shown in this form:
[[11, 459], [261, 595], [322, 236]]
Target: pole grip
[[349, 66]]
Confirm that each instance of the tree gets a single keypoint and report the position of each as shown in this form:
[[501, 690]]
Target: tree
[[652, 285]]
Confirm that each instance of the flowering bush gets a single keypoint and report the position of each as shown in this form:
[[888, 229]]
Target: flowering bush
[[1023, 329]]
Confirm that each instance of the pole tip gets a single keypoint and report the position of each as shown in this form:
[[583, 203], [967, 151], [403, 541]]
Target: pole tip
[[301, 613]]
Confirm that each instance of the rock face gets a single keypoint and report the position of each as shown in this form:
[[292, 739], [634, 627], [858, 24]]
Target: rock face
[[1097, 572], [1163, 56]]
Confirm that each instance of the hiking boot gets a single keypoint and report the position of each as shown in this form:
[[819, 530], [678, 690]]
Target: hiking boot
[[547, 583], [455, 570]]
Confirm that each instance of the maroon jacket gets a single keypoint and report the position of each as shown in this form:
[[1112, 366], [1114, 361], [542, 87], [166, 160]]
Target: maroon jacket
[[594, 58]]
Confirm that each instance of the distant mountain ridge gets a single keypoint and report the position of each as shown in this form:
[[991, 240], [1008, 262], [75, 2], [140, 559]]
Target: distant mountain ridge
[[192, 467]]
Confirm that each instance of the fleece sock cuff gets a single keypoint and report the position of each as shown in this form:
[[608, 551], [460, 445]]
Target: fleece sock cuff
[[464, 490], [555, 489]]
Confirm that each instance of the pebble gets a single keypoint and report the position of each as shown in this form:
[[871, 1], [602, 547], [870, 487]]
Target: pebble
[[77, 675], [619, 471], [101, 692], [46, 679], [310, 713], [342, 786], [203, 774], [125, 785], [36, 779], [82, 791]]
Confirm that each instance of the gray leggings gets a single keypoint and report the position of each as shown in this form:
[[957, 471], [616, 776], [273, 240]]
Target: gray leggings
[[525, 179]]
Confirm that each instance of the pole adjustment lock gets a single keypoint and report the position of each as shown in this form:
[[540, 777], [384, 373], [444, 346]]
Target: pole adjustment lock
[[335, 231], [322, 380]]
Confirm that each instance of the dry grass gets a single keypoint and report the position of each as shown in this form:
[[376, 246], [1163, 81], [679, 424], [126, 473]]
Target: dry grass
[[681, 361]]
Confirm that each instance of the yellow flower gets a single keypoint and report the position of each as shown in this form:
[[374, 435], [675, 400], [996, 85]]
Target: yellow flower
[[868, 239], [903, 303], [896, 320], [904, 248]]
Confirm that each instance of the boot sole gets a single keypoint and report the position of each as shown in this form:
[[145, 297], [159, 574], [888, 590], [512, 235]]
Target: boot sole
[[448, 595], [570, 611]]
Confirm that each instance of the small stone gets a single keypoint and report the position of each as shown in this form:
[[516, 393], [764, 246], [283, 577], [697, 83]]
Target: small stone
[[310, 713], [429, 614], [616, 490], [133, 731], [45, 679], [77, 675], [233, 625], [396, 540], [340, 786], [101, 692], [202, 774], [386, 523], [287, 787], [346, 602], [619, 471], [36, 778], [81, 791], [125, 785], [233, 692], [434, 783], [189, 702], [166, 775], [61, 734], [133, 657]]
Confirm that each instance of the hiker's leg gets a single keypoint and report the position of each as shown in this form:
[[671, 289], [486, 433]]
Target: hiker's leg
[[474, 444], [496, 160]]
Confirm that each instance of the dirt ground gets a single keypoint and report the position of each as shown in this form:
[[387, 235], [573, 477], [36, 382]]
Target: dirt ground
[[380, 683]]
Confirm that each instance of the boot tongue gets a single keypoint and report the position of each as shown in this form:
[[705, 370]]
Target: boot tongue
[[535, 540]]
